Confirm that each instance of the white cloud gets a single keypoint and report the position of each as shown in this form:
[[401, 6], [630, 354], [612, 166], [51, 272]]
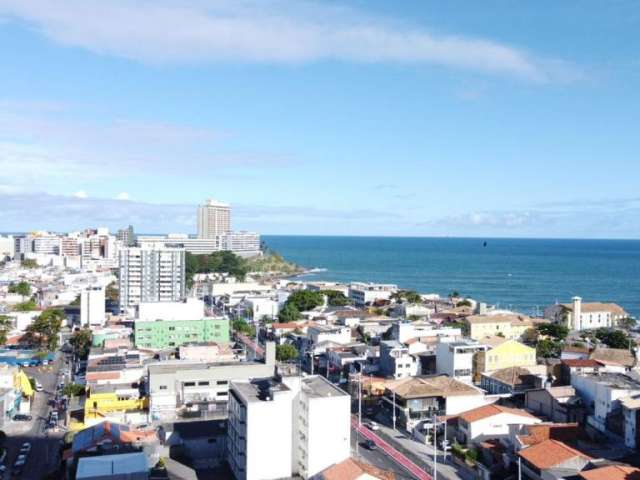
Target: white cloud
[[122, 196], [276, 31], [80, 194]]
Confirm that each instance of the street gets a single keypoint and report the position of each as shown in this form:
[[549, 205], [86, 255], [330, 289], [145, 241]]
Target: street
[[44, 456]]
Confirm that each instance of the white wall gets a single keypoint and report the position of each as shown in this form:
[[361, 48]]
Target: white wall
[[192, 309]]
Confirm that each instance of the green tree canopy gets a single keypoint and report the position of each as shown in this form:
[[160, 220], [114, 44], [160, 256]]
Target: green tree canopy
[[613, 338], [5, 327], [555, 330], [336, 298], [81, 342], [463, 303], [288, 313], [409, 296], [73, 390], [112, 292], [21, 288], [216, 262], [305, 300], [45, 329], [286, 352], [29, 263], [241, 326], [27, 306], [548, 349], [627, 323]]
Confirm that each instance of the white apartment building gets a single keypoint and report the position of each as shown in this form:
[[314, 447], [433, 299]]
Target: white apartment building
[[7, 247], [366, 293], [455, 358], [584, 316], [214, 218], [325, 333], [281, 427], [92, 307], [44, 243], [396, 362], [244, 244], [403, 331], [151, 274]]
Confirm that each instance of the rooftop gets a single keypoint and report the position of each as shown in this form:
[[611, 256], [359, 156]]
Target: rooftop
[[620, 381], [500, 318], [436, 386], [612, 472], [107, 465], [318, 386], [595, 307], [563, 432], [492, 410], [257, 390], [550, 453]]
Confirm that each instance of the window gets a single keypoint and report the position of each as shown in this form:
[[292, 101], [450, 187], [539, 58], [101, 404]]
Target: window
[[203, 384], [189, 384], [163, 387], [222, 382]]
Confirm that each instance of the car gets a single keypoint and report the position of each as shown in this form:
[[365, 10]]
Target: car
[[20, 461], [370, 444], [38, 386], [26, 447], [21, 418], [372, 426]]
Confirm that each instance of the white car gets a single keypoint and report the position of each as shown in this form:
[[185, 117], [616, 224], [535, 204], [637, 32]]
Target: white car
[[373, 426]]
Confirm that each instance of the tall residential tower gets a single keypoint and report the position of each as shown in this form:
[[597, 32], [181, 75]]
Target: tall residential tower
[[214, 218]]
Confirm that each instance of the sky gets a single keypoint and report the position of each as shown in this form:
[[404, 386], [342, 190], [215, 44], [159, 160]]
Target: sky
[[361, 117]]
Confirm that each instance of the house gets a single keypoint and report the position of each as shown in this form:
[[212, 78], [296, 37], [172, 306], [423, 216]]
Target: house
[[322, 333], [621, 358], [604, 395], [116, 402], [551, 459], [612, 472], [508, 325], [503, 353], [631, 415], [456, 358], [124, 466], [395, 360], [529, 435], [404, 330], [352, 469], [572, 352], [490, 422], [578, 366], [583, 316], [363, 294], [513, 380], [416, 399], [558, 404]]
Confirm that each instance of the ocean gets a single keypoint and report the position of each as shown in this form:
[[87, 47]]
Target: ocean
[[520, 274]]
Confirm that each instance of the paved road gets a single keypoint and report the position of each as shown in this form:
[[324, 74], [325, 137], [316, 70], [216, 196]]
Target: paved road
[[398, 458], [376, 457], [44, 456]]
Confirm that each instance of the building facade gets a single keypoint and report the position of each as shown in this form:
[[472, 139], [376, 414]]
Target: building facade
[[92, 306], [151, 274], [161, 334], [584, 316], [214, 218]]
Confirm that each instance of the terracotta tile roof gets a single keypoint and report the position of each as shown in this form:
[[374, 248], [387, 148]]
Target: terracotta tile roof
[[513, 376], [439, 386], [352, 469], [595, 307], [581, 363], [102, 376], [550, 453], [522, 320], [563, 432], [492, 410], [612, 472]]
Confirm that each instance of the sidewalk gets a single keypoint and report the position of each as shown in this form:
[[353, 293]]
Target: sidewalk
[[422, 454]]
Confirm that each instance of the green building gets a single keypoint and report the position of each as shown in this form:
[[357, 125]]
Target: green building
[[160, 334]]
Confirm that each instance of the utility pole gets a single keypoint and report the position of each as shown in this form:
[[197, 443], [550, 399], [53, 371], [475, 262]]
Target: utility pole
[[394, 409], [360, 399], [519, 467], [435, 449]]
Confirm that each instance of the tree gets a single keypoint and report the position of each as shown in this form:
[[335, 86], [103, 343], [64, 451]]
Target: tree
[[286, 352], [241, 326], [305, 300], [45, 329], [463, 303], [548, 348], [81, 342], [409, 296], [5, 327], [76, 302], [288, 313], [555, 330], [613, 338], [112, 292], [73, 390], [27, 306], [627, 323], [29, 263], [21, 288], [336, 298], [216, 262], [454, 294]]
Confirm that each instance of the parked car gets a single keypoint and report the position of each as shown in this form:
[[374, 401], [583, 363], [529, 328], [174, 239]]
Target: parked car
[[21, 418], [370, 444], [26, 447], [38, 386], [20, 461]]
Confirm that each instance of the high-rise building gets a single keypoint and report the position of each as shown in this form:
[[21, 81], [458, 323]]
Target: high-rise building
[[214, 218], [151, 274], [127, 236], [285, 426], [92, 307]]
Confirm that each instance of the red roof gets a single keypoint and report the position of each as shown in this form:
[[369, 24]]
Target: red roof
[[487, 411], [581, 363], [550, 453], [612, 472]]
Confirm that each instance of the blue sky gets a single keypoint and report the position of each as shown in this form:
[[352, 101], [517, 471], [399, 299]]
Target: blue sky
[[361, 117]]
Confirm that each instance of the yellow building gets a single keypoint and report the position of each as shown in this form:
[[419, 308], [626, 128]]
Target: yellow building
[[503, 353], [509, 326], [109, 401]]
